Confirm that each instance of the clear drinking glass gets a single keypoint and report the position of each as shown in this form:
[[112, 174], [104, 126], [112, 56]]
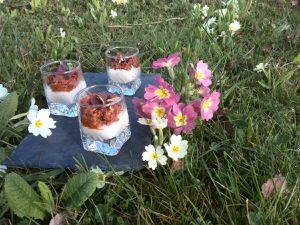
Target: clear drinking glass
[[123, 68], [62, 81], [103, 119]]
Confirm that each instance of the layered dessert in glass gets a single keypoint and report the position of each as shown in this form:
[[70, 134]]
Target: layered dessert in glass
[[123, 68], [103, 119], [62, 81]]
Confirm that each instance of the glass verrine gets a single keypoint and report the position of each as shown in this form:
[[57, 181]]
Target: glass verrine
[[103, 119], [123, 68], [62, 81]]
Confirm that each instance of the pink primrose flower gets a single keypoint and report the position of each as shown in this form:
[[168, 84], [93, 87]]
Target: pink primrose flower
[[159, 110], [182, 118], [164, 93], [203, 74], [209, 105], [170, 61]]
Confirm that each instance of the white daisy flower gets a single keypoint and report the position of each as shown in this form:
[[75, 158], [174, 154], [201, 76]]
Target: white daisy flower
[[211, 21], [234, 26], [113, 13], [40, 122], [204, 11], [62, 32], [159, 123], [177, 149], [154, 156], [3, 92], [100, 176], [261, 67], [208, 25]]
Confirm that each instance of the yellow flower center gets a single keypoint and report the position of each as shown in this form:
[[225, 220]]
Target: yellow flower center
[[206, 104], [148, 121], [180, 120], [175, 148], [199, 74], [38, 123], [162, 93], [153, 156], [159, 112], [167, 64]]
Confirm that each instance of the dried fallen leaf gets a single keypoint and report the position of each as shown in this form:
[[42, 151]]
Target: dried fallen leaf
[[272, 186], [177, 165], [295, 2], [58, 219]]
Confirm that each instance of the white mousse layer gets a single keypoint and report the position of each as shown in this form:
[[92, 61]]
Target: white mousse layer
[[64, 97], [110, 131], [124, 76]]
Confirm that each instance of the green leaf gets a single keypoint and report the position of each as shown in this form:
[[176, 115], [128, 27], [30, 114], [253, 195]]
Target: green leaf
[[255, 218], [297, 59], [8, 108], [21, 198], [47, 197], [78, 189], [3, 154]]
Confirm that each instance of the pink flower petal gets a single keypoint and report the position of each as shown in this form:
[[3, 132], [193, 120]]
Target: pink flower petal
[[206, 82], [176, 109], [204, 91], [201, 65], [207, 115], [148, 107], [173, 59], [159, 63], [177, 130], [196, 105], [138, 104]]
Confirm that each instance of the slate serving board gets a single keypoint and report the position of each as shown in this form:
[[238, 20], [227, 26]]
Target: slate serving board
[[63, 148]]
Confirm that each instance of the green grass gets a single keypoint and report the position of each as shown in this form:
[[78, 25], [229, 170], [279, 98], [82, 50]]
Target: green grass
[[255, 136]]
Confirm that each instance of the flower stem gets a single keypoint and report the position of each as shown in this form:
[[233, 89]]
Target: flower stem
[[155, 141], [161, 137], [171, 74], [155, 138], [152, 131]]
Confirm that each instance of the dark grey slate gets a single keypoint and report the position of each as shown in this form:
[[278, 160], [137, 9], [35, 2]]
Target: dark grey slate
[[64, 147]]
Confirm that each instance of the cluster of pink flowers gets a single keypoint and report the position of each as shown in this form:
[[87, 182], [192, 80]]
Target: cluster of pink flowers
[[161, 100], [170, 61]]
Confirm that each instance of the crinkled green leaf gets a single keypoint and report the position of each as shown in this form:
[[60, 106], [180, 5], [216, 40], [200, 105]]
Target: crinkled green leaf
[[21, 198], [78, 189], [47, 197]]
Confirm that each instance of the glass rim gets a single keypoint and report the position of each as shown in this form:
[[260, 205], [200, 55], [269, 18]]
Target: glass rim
[[76, 62], [135, 52], [77, 98]]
